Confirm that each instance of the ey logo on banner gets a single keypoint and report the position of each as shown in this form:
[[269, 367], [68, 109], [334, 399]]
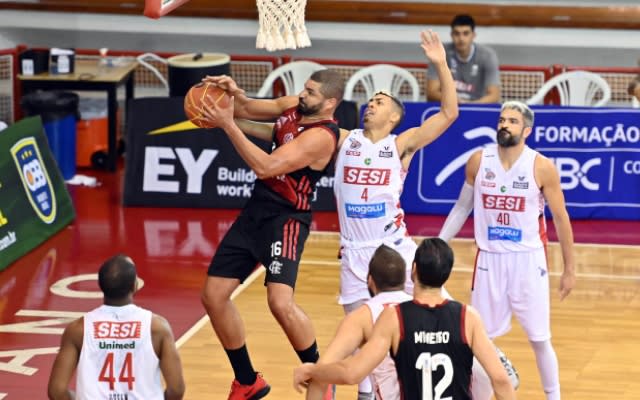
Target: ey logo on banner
[[35, 178]]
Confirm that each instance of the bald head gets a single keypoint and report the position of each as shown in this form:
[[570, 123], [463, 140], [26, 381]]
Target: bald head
[[117, 277]]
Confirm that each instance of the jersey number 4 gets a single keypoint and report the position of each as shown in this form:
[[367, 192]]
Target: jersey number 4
[[125, 374], [427, 363], [365, 194]]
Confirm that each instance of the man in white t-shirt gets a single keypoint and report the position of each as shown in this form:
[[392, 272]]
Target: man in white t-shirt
[[120, 350], [507, 185]]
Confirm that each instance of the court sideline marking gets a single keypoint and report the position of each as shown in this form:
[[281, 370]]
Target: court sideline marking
[[205, 319], [470, 270], [260, 270]]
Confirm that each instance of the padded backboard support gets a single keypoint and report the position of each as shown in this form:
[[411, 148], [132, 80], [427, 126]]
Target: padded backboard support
[[157, 8]]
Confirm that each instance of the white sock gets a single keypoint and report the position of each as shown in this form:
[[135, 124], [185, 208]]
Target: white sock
[[365, 386], [481, 388], [547, 362]]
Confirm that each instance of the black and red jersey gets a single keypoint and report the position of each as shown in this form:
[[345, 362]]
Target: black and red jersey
[[433, 351], [293, 190]]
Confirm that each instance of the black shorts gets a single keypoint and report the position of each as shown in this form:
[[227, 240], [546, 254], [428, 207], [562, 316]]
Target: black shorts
[[275, 241]]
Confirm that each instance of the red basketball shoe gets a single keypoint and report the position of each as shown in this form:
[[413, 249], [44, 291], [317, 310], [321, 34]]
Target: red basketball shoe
[[255, 391]]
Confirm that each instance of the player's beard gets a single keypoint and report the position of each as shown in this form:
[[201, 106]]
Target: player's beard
[[307, 110], [371, 293], [507, 139]]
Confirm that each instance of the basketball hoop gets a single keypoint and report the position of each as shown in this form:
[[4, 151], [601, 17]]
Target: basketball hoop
[[281, 25], [157, 8]]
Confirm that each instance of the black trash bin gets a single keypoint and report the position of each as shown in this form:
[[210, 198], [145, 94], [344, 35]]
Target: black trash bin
[[59, 113]]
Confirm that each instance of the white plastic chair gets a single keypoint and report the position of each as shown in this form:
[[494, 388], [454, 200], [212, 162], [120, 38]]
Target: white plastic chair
[[293, 75], [377, 77], [576, 88]]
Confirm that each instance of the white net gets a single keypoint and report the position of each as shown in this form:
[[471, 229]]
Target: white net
[[281, 25]]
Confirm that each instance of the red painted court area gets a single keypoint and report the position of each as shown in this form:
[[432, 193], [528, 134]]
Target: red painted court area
[[46, 289]]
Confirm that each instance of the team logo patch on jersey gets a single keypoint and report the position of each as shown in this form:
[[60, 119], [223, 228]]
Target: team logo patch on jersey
[[503, 203], [35, 178], [520, 185], [376, 210], [354, 144], [504, 233], [367, 176], [489, 174], [117, 330], [275, 267], [386, 153], [487, 184], [287, 138]]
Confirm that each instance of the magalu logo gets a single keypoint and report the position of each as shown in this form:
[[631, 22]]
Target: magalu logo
[[35, 178]]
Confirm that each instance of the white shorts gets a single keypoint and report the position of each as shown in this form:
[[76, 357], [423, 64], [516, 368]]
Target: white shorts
[[515, 282], [355, 268]]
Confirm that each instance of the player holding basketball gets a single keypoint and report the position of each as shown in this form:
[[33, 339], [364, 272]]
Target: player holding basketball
[[431, 339], [507, 185], [119, 348], [370, 169], [274, 224]]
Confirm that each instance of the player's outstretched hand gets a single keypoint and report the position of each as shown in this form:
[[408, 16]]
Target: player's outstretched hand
[[301, 376], [432, 46], [224, 82]]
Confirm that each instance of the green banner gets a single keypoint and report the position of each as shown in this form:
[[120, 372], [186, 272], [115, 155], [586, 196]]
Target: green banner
[[34, 202]]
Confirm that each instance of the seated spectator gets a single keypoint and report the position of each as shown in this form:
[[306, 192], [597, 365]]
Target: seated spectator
[[474, 67]]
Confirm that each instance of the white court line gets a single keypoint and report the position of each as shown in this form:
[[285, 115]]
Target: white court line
[[470, 270], [621, 246], [203, 321]]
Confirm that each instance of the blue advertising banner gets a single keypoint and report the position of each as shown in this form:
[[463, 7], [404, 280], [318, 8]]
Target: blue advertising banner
[[596, 151]]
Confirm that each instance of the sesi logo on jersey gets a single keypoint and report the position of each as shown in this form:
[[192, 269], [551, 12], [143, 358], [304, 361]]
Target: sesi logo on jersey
[[367, 176], [116, 330], [502, 202]]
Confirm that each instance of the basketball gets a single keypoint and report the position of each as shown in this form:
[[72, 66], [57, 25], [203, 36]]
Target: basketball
[[200, 94]]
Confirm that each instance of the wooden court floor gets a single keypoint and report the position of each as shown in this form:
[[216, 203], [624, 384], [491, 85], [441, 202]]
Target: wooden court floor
[[596, 331]]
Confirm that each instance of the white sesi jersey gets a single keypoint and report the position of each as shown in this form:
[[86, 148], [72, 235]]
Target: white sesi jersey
[[508, 205], [385, 377], [368, 182], [117, 360]]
